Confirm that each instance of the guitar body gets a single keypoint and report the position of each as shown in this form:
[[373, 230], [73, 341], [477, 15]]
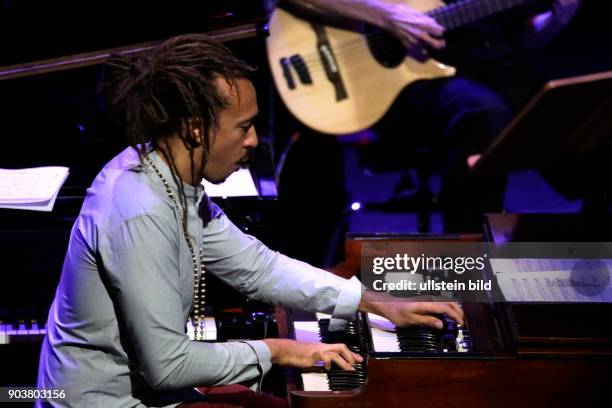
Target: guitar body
[[364, 87]]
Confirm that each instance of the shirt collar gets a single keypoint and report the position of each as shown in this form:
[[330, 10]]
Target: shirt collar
[[191, 192]]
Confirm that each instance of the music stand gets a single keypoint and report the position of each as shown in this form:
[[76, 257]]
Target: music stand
[[566, 115]]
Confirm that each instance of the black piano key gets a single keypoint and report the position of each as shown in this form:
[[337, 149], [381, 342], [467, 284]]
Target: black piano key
[[344, 379], [419, 339]]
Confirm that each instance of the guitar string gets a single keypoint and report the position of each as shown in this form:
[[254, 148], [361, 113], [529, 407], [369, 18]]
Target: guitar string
[[380, 37], [306, 96], [376, 39], [317, 68], [359, 46], [380, 41], [350, 49], [356, 46]]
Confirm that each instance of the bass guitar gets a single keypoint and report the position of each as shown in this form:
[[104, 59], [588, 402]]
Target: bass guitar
[[339, 81]]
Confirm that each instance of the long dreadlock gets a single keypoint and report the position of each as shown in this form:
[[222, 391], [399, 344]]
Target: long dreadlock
[[166, 92]]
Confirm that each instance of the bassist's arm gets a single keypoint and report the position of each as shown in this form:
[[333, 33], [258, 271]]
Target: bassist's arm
[[411, 26]]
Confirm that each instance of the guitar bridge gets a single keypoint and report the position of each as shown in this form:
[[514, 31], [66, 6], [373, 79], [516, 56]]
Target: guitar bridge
[[328, 59]]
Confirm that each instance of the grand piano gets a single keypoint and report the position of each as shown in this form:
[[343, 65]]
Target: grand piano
[[507, 354]]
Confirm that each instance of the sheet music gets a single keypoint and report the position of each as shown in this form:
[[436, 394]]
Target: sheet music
[[554, 280], [500, 265], [31, 189]]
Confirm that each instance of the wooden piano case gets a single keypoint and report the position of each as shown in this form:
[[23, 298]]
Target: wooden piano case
[[525, 355]]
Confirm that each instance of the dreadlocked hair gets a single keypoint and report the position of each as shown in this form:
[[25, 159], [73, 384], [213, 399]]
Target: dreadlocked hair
[[166, 91]]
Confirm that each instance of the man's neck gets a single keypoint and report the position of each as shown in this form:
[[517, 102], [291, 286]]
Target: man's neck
[[181, 160]]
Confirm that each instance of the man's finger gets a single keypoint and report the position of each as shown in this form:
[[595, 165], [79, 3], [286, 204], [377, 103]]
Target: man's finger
[[457, 312], [439, 307], [341, 362], [326, 358], [436, 43], [357, 357], [343, 350], [432, 27], [425, 38], [426, 320], [422, 22], [458, 309]]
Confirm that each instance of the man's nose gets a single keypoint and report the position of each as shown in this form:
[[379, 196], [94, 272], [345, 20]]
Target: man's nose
[[251, 141]]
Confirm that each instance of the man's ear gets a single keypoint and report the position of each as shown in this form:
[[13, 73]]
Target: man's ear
[[197, 135], [194, 127]]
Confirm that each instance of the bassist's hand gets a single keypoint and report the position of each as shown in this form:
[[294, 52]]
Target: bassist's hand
[[412, 27]]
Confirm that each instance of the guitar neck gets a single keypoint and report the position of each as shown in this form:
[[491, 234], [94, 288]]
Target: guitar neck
[[465, 12]]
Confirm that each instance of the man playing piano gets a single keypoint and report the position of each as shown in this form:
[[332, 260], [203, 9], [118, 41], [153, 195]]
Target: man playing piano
[[147, 234]]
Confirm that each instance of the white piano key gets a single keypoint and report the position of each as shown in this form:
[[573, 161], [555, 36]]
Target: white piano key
[[3, 336], [384, 337], [380, 322], [34, 330], [315, 382], [19, 333], [307, 331]]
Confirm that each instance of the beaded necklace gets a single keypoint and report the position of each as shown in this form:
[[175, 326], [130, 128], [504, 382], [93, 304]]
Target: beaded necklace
[[199, 284]]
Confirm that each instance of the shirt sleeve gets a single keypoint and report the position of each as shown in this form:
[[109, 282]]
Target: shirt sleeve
[[142, 268], [248, 265]]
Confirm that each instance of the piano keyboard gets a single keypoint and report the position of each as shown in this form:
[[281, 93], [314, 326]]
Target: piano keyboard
[[25, 332], [21, 332], [386, 338], [315, 382], [334, 379], [206, 332]]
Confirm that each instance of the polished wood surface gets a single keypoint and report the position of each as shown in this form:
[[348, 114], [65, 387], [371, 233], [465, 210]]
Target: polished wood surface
[[499, 382]]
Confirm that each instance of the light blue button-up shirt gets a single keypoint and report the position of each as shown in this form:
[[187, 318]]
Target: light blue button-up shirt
[[116, 329]]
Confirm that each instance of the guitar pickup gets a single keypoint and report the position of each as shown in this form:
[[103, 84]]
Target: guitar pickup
[[286, 67], [300, 67]]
